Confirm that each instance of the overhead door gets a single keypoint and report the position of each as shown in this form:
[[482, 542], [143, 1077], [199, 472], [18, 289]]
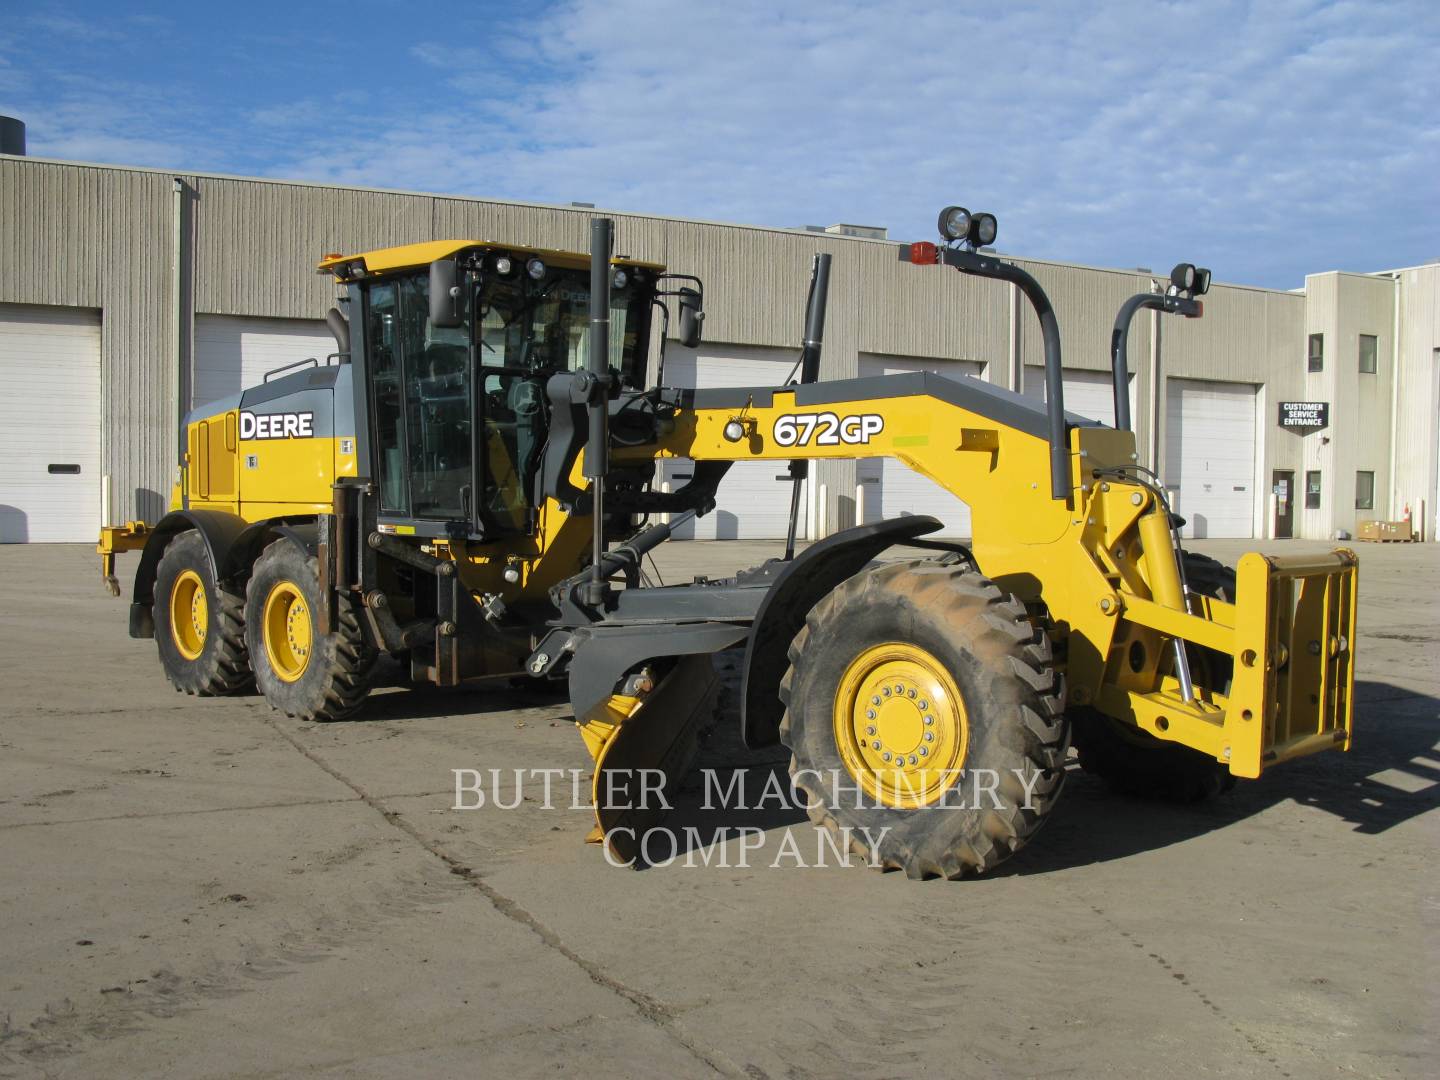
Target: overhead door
[[234, 353], [751, 504], [1210, 456], [49, 424], [1087, 393], [890, 487]]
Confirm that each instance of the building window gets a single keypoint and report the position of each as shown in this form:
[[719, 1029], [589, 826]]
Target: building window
[[1312, 490], [1364, 491], [1317, 352], [1369, 347]]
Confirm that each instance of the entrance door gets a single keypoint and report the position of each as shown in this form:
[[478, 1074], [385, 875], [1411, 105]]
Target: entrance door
[[1283, 486]]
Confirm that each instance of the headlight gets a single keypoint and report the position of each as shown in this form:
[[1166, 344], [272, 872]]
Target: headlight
[[983, 228], [619, 280], [535, 268], [503, 265], [954, 223]]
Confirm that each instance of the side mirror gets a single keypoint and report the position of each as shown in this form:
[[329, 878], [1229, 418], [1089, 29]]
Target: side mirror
[[444, 295], [691, 316]]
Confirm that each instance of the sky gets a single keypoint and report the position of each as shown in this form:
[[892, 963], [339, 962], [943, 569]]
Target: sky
[[1266, 140]]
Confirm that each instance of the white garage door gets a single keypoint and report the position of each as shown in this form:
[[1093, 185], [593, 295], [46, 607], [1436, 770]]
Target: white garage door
[[1087, 393], [750, 504], [233, 354], [1210, 456], [892, 489], [49, 424]]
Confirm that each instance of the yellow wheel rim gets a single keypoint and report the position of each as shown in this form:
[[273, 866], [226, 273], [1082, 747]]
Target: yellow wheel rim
[[900, 725], [189, 614], [288, 636]]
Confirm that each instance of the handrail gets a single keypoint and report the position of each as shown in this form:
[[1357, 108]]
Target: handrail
[[1119, 338], [972, 262]]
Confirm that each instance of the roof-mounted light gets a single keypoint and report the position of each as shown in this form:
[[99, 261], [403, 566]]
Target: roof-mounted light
[[503, 265], [536, 269]]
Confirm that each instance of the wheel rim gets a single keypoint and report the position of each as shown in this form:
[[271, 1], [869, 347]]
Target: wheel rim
[[900, 725], [189, 614], [288, 635]]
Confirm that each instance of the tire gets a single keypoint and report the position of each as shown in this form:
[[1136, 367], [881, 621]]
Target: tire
[[1134, 762], [199, 626], [303, 674], [948, 630]]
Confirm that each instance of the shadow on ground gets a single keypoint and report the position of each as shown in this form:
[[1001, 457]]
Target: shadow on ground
[[1390, 777]]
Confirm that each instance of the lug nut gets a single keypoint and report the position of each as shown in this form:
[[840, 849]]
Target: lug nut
[[899, 689], [886, 755], [910, 693], [870, 730], [876, 744], [929, 736], [929, 720], [886, 691], [923, 706], [924, 751], [875, 699], [914, 760], [869, 714]]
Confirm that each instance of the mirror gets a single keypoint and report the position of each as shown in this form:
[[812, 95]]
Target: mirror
[[692, 314], [444, 295]]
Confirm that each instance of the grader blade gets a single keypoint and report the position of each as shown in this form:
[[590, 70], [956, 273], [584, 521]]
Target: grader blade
[[643, 748]]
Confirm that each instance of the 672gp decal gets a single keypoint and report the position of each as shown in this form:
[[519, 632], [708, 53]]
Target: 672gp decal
[[827, 429]]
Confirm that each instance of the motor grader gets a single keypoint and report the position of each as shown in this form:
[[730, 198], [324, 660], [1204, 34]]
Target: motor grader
[[466, 485]]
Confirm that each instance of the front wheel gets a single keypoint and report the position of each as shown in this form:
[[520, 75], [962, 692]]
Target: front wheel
[[302, 672], [925, 719]]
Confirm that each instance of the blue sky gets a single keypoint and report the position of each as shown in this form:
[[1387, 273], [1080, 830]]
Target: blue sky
[[1266, 140]]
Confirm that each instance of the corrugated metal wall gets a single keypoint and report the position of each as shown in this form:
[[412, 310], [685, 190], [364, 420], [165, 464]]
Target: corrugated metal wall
[[1417, 472], [95, 236], [103, 238]]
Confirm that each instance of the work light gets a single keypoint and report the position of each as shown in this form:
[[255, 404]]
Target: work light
[[535, 268], [1202, 280], [503, 265], [983, 228], [619, 280], [1182, 277], [955, 223]]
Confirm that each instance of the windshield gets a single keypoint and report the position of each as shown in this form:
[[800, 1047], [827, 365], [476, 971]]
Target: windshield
[[544, 325]]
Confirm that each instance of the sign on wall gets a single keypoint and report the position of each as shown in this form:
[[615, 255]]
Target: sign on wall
[[1305, 416]]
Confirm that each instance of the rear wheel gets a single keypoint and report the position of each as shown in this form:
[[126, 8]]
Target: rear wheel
[[1134, 762], [199, 626], [302, 672], [924, 718]]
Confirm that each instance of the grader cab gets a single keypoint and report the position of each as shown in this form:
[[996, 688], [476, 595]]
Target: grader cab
[[460, 488]]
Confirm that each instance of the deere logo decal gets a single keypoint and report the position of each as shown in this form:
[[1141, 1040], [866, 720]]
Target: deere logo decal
[[287, 425]]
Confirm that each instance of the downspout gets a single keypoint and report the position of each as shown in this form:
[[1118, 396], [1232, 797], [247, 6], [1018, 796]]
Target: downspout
[[177, 279], [1395, 400]]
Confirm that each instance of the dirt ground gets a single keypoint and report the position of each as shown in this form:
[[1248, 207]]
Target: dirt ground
[[202, 888]]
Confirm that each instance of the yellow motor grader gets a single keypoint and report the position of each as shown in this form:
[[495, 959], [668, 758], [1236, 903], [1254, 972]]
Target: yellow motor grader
[[459, 486]]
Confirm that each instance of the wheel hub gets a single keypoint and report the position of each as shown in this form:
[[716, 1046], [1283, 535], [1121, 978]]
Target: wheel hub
[[288, 632], [189, 614], [900, 725]]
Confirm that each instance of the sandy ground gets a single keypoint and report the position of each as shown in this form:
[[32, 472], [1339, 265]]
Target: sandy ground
[[201, 888]]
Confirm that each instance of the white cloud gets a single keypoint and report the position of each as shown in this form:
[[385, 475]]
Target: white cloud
[[1265, 139]]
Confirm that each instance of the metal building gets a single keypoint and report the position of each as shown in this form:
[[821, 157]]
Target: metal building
[[128, 294]]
